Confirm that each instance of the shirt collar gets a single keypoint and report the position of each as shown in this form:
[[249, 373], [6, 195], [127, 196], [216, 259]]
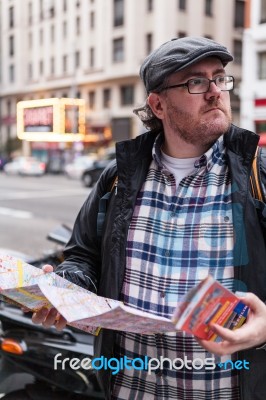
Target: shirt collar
[[207, 160]]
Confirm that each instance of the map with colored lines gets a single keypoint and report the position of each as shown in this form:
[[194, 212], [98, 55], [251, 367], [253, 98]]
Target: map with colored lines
[[26, 286]]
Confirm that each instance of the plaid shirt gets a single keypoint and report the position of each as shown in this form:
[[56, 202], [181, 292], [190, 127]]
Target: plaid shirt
[[178, 235]]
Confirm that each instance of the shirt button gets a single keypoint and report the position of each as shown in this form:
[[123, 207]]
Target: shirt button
[[226, 219], [167, 253], [172, 214], [162, 294]]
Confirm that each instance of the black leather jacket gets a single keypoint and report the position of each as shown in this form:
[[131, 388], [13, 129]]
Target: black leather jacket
[[102, 261]]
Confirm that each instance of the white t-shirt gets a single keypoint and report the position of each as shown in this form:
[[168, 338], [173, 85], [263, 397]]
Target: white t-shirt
[[179, 167]]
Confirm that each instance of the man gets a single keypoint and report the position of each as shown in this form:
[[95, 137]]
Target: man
[[181, 210]]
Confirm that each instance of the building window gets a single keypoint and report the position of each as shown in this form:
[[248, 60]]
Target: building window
[[77, 59], [149, 5], [52, 65], [41, 67], [8, 107], [106, 98], [52, 11], [11, 45], [30, 13], [208, 7], [239, 14], [262, 65], [64, 63], [148, 43], [92, 19], [263, 11], [30, 40], [92, 57], [12, 73], [11, 17], [41, 36], [182, 5], [92, 99], [30, 71], [181, 34], [238, 51], [127, 95], [118, 50], [41, 10], [78, 25], [118, 12], [65, 5], [64, 29], [52, 33]]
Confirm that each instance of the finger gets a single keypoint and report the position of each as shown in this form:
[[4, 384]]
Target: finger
[[47, 268], [225, 333], [39, 316], [60, 323], [50, 318]]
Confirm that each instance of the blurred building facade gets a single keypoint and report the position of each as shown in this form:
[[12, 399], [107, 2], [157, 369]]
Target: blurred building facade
[[253, 86], [92, 49]]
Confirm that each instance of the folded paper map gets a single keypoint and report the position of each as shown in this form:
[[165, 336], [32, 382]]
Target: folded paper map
[[28, 286]]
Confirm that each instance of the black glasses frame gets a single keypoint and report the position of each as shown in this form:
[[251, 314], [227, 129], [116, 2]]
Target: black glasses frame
[[215, 80]]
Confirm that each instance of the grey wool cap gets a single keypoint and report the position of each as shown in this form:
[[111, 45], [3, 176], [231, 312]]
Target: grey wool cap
[[177, 54]]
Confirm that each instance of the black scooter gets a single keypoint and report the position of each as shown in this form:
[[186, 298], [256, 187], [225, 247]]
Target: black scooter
[[28, 370]]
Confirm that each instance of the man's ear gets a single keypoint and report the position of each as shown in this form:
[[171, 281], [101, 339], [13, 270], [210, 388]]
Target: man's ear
[[155, 103]]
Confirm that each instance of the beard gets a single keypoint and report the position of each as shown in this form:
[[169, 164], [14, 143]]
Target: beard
[[204, 129]]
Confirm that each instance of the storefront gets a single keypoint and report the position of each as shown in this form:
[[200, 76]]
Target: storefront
[[54, 129]]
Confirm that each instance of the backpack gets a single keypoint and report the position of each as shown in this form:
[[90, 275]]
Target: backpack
[[256, 190]]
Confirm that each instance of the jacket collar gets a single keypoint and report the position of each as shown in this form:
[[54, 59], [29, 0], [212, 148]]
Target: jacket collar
[[241, 142]]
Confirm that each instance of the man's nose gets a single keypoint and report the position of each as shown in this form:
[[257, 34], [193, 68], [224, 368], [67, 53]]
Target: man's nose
[[214, 91]]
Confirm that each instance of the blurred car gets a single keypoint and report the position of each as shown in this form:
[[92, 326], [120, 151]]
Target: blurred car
[[75, 169], [25, 166], [92, 174]]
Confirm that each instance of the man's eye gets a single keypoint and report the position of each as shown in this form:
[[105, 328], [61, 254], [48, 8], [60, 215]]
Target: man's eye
[[197, 81], [220, 79]]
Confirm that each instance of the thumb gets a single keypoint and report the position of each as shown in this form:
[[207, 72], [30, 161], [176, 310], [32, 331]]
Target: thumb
[[47, 268]]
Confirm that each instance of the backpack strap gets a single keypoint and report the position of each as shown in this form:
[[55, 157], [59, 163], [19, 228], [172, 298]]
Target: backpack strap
[[103, 204], [255, 180], [114, 184]]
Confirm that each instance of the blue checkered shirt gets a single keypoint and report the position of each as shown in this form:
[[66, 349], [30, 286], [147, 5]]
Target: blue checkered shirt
[[177, 236]]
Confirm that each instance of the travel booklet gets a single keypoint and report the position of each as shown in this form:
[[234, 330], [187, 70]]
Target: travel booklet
[[27, 286]]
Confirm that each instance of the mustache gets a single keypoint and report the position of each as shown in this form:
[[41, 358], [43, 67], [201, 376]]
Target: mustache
[[213, 103]]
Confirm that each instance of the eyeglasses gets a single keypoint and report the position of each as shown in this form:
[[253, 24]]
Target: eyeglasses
[[202, 85]]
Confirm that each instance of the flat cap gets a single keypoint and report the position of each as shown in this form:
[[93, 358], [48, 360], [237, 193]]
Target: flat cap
[[177, 54]]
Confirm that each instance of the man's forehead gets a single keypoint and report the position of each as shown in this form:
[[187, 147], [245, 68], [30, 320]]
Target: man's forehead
[[200, 68]]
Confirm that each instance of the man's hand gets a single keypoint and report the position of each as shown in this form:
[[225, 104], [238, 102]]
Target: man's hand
[[49, 317], [251, 334]]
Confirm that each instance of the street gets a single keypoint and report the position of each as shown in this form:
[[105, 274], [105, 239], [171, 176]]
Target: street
[[32, 206]]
